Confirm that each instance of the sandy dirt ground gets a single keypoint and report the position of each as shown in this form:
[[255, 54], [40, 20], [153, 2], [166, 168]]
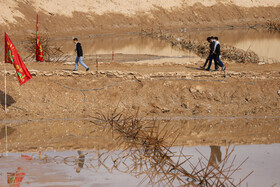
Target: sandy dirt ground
[[56, 109]]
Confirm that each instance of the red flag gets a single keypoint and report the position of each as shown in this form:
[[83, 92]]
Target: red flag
[[12, 56], [14, 179], [39, 49]]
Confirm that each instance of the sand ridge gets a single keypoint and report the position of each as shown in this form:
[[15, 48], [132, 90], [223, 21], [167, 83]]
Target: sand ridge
[[11, 9]]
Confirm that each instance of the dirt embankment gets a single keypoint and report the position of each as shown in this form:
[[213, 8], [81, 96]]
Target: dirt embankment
[[55, 109], [64, 18]]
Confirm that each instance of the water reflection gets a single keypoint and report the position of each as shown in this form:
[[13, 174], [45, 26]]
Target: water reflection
[[145, 150], [117, 168], [215, 156], [80, 162], [14, 179]]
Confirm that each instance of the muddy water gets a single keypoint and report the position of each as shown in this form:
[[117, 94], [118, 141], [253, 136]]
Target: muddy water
[[63, 168], [126, 45], [265, 43], [119, 45]]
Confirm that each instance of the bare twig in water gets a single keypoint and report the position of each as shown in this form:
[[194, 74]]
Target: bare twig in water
[[146, 151]]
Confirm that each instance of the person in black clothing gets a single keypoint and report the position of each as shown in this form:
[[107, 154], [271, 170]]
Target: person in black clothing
[[211, 46], [210, 56], [79, 57]]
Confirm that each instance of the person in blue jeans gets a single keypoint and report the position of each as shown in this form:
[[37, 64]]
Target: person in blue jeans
[[79, 57], [217, 44]]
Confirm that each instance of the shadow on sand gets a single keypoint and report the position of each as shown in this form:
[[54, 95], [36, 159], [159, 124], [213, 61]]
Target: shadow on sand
[[10, 99], [194, 68], [10, 131]]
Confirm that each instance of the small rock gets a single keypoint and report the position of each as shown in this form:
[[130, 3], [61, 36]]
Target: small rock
[[199, 89], [165, 110], [78, 73], [192, 90], [68, 63], [278, 92], [48, 74], [33, 73]]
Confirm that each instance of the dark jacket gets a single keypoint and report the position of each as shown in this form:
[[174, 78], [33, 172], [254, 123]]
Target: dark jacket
[[212, 46], [216, 51], [79, 49]]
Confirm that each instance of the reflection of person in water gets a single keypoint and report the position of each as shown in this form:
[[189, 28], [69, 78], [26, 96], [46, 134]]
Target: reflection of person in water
[[14, 179], [216, 156], [80, 161]]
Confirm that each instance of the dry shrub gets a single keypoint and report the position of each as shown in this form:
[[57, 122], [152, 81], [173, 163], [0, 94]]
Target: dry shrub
[[147, 150], [52, 53], [273, 26]]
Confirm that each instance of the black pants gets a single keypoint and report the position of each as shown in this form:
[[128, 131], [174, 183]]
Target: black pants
[[209, 58]]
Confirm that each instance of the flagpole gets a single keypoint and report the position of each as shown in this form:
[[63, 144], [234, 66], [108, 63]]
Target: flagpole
[[5, 89], [6, 132]]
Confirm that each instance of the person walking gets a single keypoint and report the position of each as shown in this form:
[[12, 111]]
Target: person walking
[[215, 51], [79, 57], [212, 52], [217, 44], [210, 56]]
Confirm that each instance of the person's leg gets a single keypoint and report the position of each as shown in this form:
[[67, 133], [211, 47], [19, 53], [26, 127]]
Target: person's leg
[[203, 67], [76, 63], [210, 62], [220, 62], [216, 57], [82, 63], [207, 59]]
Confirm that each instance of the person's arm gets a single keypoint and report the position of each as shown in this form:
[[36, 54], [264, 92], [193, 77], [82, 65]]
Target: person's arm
[[212, 51]]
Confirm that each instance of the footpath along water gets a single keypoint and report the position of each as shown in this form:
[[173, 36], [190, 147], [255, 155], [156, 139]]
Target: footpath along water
[[70, 168]]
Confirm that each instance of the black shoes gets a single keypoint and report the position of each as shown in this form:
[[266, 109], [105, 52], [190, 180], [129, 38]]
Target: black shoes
[[87, 69]]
